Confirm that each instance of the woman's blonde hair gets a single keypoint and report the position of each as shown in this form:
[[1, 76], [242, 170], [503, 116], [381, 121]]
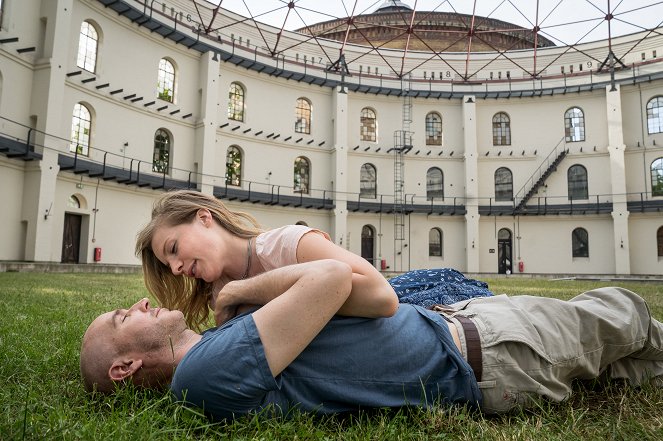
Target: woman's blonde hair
[[187, 294]]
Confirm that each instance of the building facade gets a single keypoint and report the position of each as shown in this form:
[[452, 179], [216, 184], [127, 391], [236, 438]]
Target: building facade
[[554, 166]]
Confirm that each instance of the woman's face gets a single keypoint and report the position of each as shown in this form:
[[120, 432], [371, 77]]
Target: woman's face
[[194, 249]]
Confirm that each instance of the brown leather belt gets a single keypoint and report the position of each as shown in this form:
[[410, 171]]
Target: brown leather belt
[[473, 344]]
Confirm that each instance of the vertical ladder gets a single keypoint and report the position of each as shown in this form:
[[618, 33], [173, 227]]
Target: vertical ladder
[[402, 145]]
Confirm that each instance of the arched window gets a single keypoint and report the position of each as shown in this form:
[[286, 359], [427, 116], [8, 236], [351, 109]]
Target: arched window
[[574, 125], [501, 129], [301, 223], [434, 184], [580, 242], [81, 129], [435, 242], [234, 166], [236, 102], [503, 184], [657, 177], [88, 41], [73, 202], [303, 116], [166, 81], [577, 182], [368, 125], [302, 174], [659, 241], [368, 181], [433, 129], [655, 115], [161, 157]]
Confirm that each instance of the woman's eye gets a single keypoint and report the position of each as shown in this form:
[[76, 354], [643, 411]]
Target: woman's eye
[[173, 250]]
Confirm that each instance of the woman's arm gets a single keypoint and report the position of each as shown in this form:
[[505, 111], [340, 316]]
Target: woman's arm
[[371, 296]]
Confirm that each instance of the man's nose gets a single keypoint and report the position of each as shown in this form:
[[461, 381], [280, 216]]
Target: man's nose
[[141, 305]]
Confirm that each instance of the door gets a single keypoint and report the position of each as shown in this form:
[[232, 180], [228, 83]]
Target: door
[[504, 259], [71, 238], [367, 243]]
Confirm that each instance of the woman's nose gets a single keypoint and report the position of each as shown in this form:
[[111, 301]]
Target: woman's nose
[[176, 267]]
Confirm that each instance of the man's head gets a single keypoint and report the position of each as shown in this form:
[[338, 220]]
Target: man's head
[[139, 344]]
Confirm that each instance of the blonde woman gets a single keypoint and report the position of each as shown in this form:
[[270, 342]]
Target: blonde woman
[[194, 245]]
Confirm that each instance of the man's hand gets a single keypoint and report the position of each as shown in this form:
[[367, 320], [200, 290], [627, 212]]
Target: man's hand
[[228, 300]]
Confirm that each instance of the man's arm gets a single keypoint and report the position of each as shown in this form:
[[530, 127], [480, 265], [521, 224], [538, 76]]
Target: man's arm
[[299, 301]]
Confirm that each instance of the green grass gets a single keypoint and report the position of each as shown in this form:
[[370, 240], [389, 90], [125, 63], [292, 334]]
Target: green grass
[[43, 317]]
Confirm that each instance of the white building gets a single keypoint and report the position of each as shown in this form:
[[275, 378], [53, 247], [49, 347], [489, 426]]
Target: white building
[[105, 104]]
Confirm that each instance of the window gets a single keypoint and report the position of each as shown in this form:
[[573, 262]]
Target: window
[[580, 242], [657, 177], [435, 242], [433, 129], [303, 116], [161, 157], [236, 102], [81, 127], [368, 182], [166, 81], [501, 129], [655, 115], [574, 125], [368, 122], [368, 243], [302, 173], [434, 184], [503, 184], [659, 241], [234, 166], [577, 182], [73, 202], [87, 47]]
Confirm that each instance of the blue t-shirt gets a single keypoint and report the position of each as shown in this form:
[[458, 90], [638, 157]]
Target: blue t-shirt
[[354, 363]]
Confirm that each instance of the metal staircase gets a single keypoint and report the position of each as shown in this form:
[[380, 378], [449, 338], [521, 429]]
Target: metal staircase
[[540, 175], [402, 145]]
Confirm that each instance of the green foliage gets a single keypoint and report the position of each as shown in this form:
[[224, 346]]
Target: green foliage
[[41, 396]]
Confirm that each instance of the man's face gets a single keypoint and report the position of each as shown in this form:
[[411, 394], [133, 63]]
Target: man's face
[[141, 329]]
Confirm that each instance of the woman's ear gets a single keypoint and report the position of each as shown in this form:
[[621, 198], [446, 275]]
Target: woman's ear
[[205, 216], [123, 369]]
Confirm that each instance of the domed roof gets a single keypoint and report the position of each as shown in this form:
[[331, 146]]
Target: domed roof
[[392, 5]]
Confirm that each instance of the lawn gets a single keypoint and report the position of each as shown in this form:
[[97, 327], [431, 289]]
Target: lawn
[[41, 395]]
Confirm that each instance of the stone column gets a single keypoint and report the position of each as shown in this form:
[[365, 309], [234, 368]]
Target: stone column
[[471, 184], [206, 148]]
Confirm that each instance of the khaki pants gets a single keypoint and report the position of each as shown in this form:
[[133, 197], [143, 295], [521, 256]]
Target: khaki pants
[[537, 346]]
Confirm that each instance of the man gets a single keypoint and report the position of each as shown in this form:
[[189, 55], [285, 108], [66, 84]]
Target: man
[[293, 353]]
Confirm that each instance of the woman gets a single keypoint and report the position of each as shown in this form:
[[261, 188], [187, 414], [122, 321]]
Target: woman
[[194, 245]]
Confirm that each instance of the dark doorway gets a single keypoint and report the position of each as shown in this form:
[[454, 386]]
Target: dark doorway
[[71, 238], [367, 243], [504, 258]]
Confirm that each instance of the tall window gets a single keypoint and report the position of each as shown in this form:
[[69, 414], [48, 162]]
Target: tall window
[[368, 125], [87, 47], [503, 184], [81, 128], [501, 129], [302, 173], [368, 243], [574, 125], [166, 80], [303, 116], [368, 181], [577, 182], [236, 102], [659, 241], [435, 242], [434, 184], [657, 177], [234, 166], [161, 157], [433, 129], [655, 115], [580, 242]]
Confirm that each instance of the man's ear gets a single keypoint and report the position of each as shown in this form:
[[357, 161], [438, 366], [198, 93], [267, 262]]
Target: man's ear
[[205, 216], [123, 369]]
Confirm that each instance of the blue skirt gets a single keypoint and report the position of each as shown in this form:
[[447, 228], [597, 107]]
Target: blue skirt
[[437, 286]]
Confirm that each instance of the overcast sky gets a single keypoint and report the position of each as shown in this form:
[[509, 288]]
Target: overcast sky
[[564, 21]]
